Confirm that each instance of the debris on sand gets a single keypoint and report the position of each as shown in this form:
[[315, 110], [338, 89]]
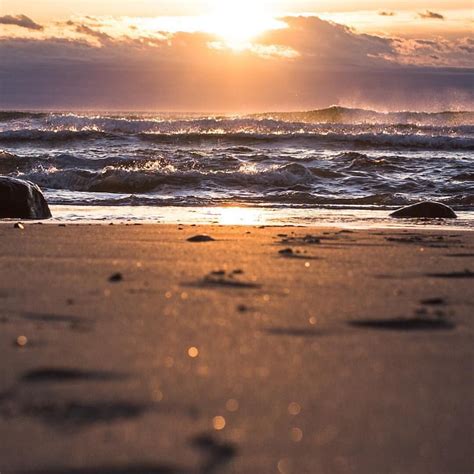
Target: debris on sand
[[221, 278], [306, 240], [19, 225]]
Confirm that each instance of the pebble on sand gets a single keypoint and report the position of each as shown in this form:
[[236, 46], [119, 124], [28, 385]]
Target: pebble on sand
[[201, 238], [116, 277], [19, 225]]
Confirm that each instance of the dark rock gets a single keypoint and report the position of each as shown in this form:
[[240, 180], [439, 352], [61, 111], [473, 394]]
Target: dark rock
[[428, 209], [116, 278], [22, 199], [201, 238]]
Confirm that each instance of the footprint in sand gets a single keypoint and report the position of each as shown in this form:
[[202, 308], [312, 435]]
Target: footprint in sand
[[68, 375], [460, 275], [433, 302], [404, 324], [217, 453]]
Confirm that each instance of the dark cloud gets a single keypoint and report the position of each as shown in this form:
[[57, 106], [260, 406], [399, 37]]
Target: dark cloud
[[325, 44], [429, 15], [329, 63], [86, 30], [20, 20]]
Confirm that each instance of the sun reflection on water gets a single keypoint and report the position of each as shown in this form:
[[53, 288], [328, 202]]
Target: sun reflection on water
[[239, 216]]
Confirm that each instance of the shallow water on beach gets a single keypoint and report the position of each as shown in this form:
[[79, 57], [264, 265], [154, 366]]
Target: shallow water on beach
[[339, 159], [251, 216]]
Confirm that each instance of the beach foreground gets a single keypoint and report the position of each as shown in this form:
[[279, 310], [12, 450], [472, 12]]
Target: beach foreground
[[129, 349]]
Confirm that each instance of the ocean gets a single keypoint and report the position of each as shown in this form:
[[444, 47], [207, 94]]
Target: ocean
[[292, 167]]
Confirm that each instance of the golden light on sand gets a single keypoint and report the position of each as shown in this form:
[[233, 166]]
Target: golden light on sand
[[284, 466], [232, 405], [218, 422], [21, 341], [238, 22], [294, 409], [193, 352], [296, 435]]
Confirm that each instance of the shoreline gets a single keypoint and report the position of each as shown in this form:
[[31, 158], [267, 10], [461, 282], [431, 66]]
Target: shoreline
[[146, 352], [249, 216]]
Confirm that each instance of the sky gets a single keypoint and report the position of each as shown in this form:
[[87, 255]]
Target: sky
[[236, 55]]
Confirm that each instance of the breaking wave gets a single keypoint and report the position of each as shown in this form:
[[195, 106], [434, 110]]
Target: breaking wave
[[335, 156]]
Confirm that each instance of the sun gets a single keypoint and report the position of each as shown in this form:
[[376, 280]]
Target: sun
[[238, 22]]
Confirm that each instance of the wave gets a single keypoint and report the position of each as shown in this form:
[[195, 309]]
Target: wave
[[329, 115], [337, 115], [333, 156], [353, 179], [50, 136], [6, 116], [275, 200], [362, 139]]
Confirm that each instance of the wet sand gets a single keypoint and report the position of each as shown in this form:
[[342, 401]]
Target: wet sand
[[132, 350]]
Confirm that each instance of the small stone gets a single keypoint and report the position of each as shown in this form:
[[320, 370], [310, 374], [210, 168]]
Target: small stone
[[19, 225], [218, 273], [287, 251], [116, 277], [201, 238]]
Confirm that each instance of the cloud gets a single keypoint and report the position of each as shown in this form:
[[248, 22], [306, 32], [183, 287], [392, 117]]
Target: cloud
[[330, 45], [309, 63], [440, 52], [429, 15], [98, 35], [20, 20]]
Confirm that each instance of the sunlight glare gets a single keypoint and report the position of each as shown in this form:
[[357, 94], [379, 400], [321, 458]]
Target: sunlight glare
[[238, 22]]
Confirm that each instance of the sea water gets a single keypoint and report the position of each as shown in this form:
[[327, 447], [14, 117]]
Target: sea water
[[335, 163]]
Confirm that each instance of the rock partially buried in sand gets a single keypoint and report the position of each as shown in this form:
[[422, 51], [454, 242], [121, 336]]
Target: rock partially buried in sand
[[428, 210], [201, 238], [22, 200]]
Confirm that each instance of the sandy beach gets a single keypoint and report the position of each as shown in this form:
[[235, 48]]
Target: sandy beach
[[130, 349]]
